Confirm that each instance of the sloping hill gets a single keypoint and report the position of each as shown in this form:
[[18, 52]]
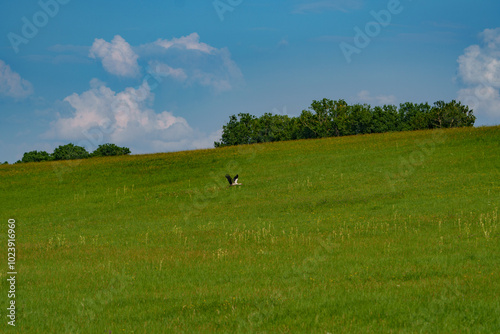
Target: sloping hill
[[373, 233]]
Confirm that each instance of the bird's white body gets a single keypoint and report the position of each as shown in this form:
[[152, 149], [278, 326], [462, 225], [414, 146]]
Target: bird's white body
[[233, 182]]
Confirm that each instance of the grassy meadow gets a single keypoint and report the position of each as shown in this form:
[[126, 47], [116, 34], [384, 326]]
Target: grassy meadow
[[395, 232]]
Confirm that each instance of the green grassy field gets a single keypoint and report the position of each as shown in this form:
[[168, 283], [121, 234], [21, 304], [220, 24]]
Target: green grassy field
[[384, 233]]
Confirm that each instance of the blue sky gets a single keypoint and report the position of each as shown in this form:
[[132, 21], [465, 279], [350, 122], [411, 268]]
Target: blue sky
[[160, 76]]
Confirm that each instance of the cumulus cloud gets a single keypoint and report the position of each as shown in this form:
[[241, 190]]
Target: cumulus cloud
[[101, 115], [193, 62], [479, 71], [492, 38], [189, 42], [11, 83], [219, 72], [126, 117], [161, 69], [364, 96], [117, 57], [185, 59]]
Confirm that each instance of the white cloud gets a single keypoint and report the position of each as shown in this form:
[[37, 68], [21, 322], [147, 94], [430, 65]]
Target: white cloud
[[328, 5], [479, 70], [492, 38], [118, 58], [126, 118], [184, 59], [188, 60], [11, 83], [163, 70], [364, 96], [101, 115], [479, 65], [189, 42], [218, 71]]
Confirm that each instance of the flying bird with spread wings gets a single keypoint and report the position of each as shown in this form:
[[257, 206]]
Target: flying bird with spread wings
[[233, 182]]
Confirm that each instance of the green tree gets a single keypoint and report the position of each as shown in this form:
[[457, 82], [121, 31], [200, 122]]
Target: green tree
[[36, 156], [284, 128], [270, 128], [110, 150], [307, 125], [414, 116], [360, 119], [451, 114], [385, 119], [228, 137], [266, 129], [239, 130], [70, 152], [330, 118]]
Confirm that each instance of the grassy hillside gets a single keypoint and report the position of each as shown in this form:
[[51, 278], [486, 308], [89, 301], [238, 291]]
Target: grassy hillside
[[394, 232]]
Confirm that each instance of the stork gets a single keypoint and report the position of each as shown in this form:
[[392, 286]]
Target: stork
[[233, 182]]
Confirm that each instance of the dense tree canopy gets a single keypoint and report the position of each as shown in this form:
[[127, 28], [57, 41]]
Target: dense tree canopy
[[36, 156], [71, 151], [109, 150], [328, 118]]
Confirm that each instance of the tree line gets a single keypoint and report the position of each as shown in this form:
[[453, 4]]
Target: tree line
[[328, 118], [71, 151]]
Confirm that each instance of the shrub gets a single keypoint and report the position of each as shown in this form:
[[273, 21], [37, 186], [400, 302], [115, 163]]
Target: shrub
[[36, 156], [109, 150], [70, 152]]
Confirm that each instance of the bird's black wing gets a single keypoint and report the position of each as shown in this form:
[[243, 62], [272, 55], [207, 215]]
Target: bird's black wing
[[236, 179], [229, 179]]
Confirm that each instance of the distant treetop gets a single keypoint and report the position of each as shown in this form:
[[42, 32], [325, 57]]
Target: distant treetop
[[71, 151]]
